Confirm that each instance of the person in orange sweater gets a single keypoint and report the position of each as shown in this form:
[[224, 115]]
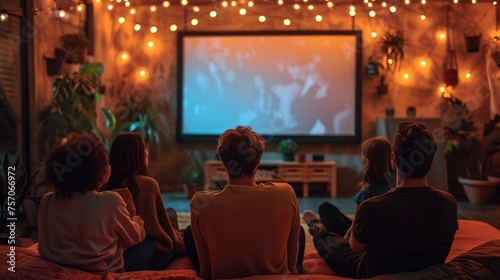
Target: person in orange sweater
[[129, 161], [247, 228], [78, 226]]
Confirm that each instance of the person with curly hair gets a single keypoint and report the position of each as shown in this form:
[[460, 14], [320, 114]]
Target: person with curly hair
[[129, 160], [78, 226]]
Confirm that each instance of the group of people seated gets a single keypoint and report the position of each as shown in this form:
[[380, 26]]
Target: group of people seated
[[107, 215]]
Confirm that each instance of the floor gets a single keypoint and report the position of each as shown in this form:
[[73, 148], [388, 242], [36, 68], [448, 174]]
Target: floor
[[489, 213]]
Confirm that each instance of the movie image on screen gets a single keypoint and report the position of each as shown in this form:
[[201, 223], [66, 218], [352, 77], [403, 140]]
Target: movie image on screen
[[303, 85]]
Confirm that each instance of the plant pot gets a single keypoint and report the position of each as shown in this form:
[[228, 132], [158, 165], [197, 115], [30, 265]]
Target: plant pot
[[382, 89], [54, 66], [70, 68], [496, 58], [450, 77], [479, 191], [288, 157], [82, 54], [472, 43]]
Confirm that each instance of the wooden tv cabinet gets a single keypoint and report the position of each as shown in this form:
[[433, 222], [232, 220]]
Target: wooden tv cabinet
[[283, 171]]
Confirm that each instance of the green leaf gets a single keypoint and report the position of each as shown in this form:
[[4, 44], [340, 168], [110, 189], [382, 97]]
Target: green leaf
[[110, 118]]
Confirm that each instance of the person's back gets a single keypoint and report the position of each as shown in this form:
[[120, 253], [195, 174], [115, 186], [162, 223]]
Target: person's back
[[246, 230], [409, 229]]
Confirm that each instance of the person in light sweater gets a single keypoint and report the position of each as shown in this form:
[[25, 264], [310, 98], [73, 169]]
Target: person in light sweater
[[78, 226], [247, 228], [128, 157]]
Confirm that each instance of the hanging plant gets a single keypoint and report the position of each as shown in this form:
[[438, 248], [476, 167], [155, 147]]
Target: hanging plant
[[372, 67], [392, 47], [450, 65], [472, 43]]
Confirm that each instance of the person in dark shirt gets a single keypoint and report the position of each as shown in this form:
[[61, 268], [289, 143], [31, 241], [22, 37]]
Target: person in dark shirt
[[406, 229]]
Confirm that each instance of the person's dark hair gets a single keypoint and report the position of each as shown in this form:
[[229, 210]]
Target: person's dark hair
[[378, 168], [240, 150], [127, 159], [77, 166], [414, 147]]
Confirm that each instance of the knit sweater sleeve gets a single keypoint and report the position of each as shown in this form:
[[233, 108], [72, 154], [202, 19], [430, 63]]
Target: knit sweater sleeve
[[130, 231]]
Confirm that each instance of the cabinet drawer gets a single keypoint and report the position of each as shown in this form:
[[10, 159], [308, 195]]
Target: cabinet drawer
[[319, 173], [291, 173]]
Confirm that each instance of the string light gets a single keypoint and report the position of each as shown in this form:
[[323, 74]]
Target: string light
[[196, 9], [150, 44], [406, 76], [422, 17], [329, 4], [384, 4], [224, 4], [372, 13], [213, 13], [127, 4], [61, 13], [152, 8], [79, 7], [4, 17], [374, 34], [250, 4], [352, 13], [296, 6], [455, 1], [166, 4], [98, 1], [124, 56], [310, 7], [407, 2], [153, 29], [262, 18], [243, 11], [142, 73], [137, 27], [494, 3], [287, 22], [132, 11], [121, 20], [442, 89], [194, 22], [467, 75], [423, 63], [390, 61], [442, 35], [110, 7], [280, 2], [184, 2], [173, 27], [319, 18], [392, 9], [233, 3], [352, 8], [366, 1], [370, 4], [473, 1], [423, 2]]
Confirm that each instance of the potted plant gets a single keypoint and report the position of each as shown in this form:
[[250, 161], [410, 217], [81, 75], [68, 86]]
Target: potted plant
[[462, 134], [288, 148], [372, 67], [75, 46], [392, 47]]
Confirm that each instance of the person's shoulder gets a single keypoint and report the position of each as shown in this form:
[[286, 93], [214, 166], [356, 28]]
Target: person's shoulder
[[107, 195], [446, 195], [146, 182], [205, 194], [279, 186]]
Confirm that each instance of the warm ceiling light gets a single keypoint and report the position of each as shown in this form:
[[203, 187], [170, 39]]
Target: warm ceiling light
[[150, 44], [121, 20], [407, 2], [494, 3], [296, 6], [287, 22], [61, 13], [422, 17], [310, 7], [98, 1], [79, 7], [392, 9], [352, 8], [423, 2], [384, 4], [153, 29], [184, 2], [372, 13], [194, 21], [319, 18], [127, 4], [110, 7], [370, 4], [406, 76], [132, 11], [374, 34], [137, 27], [467, 75], [473, 1], [166, 4], [224, 4], [250, 4], [423, 63], [262, 18], [330, 4], [142, 73], [442, 89], [152, 8], [173, 27], [243, 11], [196, 9], [455, 1], [280, 2], [213, 14], [124, 56], [442, 35], [233, 3]]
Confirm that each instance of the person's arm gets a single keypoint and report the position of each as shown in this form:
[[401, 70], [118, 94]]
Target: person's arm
[[130, 231], [360, 235], [357, 246], [293, 238], [199, 239]]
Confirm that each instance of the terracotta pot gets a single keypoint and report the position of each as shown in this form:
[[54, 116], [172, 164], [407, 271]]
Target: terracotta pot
[[472, 43], [479, 191]]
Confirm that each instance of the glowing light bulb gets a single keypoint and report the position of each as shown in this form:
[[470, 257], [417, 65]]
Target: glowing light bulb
[[455, 1], [150, 44], [121, 20], [330, 4], [442, 89], [196, 9], [494, 3], [184, 2], [286, 22], [374, 34], [442, 35], [98, 1], [407, 2], [142, 73], [262, 18], [352, 8], [319, 18], [243, 11], [352, 13], [473, 1], [124, 56], [153, 29], [423, 2], [392, 9], [173, 27], [406, 76], [296, 6], [370, 4], [213, 13], [390, 61], [280, 2], [4, 17], [137, 27], [79, 7], [422, 17], [423, 63], [250, 4], [366, 1], [127, 4], [61, 13], [152, 8], [233, 3], [310, 7], [467, 75], [166, 4], [372, 13], [384, 4], [224, 4], [194, 22], [110, 7], [132, 11]]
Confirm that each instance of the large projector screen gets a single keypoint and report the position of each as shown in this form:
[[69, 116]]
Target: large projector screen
[[302, 85]]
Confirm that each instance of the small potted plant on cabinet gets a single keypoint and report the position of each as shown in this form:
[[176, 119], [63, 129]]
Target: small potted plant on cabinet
[[462, 135], [288, 148]]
